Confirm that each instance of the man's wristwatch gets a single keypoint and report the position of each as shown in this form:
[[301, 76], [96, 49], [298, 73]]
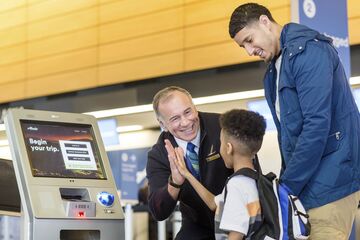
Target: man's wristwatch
[[172, 183]]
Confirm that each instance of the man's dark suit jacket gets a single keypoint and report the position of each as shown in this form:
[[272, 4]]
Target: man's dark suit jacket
[[197, 218]]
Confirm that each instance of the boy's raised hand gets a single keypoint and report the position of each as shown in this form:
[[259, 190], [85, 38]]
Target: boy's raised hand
[[180, 162]]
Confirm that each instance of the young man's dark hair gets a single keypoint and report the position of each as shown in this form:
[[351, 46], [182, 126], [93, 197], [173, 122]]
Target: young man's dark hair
[[246, 127], [246, 14]]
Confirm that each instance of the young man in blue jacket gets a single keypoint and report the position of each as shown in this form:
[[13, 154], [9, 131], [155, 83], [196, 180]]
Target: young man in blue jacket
[[315, 114]]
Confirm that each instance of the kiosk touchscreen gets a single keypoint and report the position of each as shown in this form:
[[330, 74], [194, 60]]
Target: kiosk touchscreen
[[65, 182]]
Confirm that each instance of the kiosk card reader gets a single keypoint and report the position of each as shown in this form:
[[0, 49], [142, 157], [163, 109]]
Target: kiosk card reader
[[64, 177]]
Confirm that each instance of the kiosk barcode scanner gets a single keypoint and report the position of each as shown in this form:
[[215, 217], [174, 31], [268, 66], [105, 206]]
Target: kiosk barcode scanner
[[64, 177]]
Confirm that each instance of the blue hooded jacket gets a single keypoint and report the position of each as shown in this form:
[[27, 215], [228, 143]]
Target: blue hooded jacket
[[319, 127]]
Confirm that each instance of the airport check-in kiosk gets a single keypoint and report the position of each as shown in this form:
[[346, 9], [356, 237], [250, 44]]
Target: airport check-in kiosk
[[65, 182]]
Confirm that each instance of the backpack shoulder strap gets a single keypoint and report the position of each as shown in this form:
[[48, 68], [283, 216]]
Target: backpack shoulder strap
[[248, 172]]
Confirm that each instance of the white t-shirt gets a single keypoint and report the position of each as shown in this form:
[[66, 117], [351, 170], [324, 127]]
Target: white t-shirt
[[241, 208]]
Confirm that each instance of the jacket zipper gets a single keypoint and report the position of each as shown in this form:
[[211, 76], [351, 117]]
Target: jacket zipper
[[337, 135]]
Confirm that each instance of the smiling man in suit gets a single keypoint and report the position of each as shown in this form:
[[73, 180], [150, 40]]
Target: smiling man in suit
[[198, 134]]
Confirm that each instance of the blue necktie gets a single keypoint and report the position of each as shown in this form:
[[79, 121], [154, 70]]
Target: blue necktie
[[192, 160]]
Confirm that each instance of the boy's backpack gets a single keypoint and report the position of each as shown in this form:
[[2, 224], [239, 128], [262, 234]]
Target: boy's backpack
[[283, 215]]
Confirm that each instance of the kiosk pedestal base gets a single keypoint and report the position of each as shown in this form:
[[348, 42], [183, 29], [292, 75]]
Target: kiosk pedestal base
[[79, 229]]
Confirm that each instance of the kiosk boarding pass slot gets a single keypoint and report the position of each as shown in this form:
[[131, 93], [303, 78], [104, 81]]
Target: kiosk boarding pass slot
[[77, 203]]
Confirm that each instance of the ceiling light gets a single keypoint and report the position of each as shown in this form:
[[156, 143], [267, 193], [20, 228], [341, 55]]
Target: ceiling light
[[355, 80], [4, 143], [229, 97], [121, 111], [129, 128], [197, 101]]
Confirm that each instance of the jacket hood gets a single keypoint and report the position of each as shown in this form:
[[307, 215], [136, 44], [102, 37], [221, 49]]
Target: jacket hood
[[293, 32]]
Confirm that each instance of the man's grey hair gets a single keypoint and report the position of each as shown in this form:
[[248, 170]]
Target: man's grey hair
[[165, 93]]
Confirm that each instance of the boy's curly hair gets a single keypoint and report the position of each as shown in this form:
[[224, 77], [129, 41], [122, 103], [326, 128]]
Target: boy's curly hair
[[246, 127]]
